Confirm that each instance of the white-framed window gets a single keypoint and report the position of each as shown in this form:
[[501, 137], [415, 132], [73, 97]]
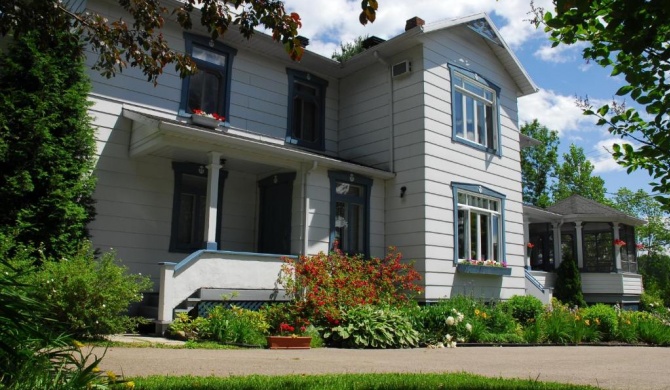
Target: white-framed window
[[350, 212], [479, 223], [475, 113]]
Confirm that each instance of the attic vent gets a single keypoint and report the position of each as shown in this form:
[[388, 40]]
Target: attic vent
[[401, 68]]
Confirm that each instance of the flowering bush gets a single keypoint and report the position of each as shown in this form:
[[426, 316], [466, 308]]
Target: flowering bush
[[214, 115], [487, 263], [324, 285], [290, 330]]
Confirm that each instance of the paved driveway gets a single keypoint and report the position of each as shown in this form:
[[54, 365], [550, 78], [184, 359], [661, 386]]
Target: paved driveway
[[607, 367]]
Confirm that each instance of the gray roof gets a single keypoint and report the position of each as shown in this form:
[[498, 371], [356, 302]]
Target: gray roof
[[579, 206]]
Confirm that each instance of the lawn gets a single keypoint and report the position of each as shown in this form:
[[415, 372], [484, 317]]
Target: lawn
[[348, 381]]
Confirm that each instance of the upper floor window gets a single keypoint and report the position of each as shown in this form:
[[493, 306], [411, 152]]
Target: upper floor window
[[479, 223], [474, 106], [209, 89], [306, 110]]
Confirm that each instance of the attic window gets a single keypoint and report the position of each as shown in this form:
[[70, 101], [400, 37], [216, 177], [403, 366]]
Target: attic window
[[483, 28]]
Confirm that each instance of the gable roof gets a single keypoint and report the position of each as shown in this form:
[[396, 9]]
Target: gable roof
[[579, 207], [480, 25]]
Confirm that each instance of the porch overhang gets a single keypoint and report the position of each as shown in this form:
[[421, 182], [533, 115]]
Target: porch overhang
[[156, 135]]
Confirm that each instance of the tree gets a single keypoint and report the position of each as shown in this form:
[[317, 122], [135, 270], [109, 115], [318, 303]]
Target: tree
[[538, 163], [655, 235], [349, 49], [46, 144], [574, 177], [141, 44], [630, 37], [569, 283]]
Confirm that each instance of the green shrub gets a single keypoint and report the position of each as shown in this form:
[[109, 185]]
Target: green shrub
[[653, 330], [558, 323], [533, 331], [187, 328], [370, 326], [524, 308], [605, 318], [90, 296], [236, 325], [569, 283], [627, 330]]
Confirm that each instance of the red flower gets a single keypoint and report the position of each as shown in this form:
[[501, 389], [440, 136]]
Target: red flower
[[530, 245], [619, 243], [639, 246]]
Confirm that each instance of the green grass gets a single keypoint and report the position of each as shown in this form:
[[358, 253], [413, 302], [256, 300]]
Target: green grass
[[345, 381]]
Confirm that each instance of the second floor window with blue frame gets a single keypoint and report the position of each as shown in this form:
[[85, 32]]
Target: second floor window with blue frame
[[475, 113], [209, 89], [306, 110]]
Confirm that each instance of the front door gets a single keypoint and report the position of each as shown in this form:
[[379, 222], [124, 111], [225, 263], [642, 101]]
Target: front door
[[274, 225]]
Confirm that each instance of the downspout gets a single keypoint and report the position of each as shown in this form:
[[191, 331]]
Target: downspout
[[391, 114], [305, 233]]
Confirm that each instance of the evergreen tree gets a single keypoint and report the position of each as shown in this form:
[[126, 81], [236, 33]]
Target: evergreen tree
[[46, 143], [569, 283]]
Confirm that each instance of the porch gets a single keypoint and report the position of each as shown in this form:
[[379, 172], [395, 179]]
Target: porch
[[600, 239]]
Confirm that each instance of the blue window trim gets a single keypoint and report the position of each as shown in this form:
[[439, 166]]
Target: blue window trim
[[226, 72], [321, 85], [476, 77], [362, 181], [478, 189], [181, 168]]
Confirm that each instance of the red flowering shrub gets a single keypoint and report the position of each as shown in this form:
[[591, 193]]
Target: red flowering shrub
[[324, 285]]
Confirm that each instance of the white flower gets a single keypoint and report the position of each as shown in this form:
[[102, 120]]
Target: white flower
[[450, 320], [468, 327], [103, 306], [453, 344], [460, 317], [448, 337]]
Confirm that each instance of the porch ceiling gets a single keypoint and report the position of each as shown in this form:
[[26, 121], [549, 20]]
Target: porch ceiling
[[179, 140]]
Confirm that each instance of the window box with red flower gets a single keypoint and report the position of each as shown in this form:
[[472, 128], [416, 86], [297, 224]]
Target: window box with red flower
[[204, 119]]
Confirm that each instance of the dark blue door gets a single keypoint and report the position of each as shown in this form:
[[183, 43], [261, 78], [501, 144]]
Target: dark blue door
[[274, 227]]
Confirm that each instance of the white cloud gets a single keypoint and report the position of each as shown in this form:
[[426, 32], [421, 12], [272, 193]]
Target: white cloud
[[601, 157], [327, 23], [558, 54], [557, 112]]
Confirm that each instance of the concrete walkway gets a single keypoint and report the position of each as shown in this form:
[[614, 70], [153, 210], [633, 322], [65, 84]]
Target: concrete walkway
[[607, 367]]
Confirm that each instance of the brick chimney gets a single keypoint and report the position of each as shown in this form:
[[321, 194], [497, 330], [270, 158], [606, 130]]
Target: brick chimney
[[413, 22]]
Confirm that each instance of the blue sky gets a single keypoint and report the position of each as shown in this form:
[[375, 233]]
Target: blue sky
[[560, 73]]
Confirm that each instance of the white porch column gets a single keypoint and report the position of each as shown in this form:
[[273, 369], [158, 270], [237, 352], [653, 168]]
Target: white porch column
[[211, 216], [558, 255], [165, 302], [580, 251], [526, 240], [617, 250]]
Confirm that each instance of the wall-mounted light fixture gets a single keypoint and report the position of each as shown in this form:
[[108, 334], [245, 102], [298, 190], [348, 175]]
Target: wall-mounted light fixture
[[403, 189]]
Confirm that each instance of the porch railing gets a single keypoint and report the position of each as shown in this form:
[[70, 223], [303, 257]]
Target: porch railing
[[214, 269]]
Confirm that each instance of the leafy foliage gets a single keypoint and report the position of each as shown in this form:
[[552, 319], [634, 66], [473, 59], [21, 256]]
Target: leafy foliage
[[574, 176], [654, 235], [90, 296], [324, 286], [236, 325], [538, 164], [46, 143], [655, 271], [605, 318], [369, 326], [629, 37], [568, 287], [141, 42], [524, 308], [350, 49]]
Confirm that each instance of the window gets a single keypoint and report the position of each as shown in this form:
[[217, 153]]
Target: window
[[350, 212], [306, 110], [628, 251], [598, 250], [209, 89], [475, 110], [189, 206], [479, 230]]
